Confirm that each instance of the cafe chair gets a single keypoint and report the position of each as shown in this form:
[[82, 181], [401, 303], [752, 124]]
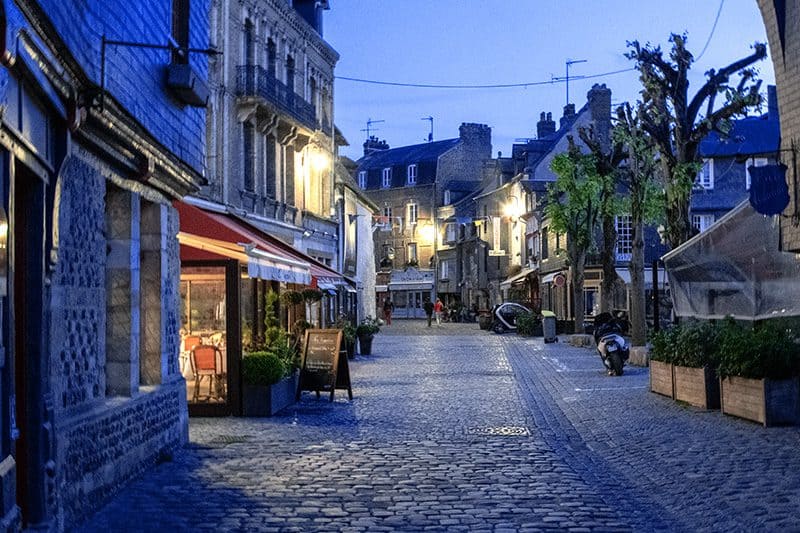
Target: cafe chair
[[189, 343], [205, 360]]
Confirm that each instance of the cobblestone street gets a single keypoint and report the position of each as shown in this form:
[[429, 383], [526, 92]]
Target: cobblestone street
[[456, 429]]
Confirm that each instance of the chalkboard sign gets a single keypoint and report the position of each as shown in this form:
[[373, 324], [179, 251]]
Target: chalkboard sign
[[321, 367]]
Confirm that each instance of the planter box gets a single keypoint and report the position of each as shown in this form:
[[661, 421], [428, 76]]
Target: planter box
[[259, 400], [768, 401], [661, 379], [696, 386]]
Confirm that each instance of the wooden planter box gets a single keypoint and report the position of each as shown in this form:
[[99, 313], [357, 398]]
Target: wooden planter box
[[696, 386], [661, 379], [261, 400], [768, 401]]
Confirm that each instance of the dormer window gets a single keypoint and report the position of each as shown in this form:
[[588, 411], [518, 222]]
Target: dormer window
[[362, 179], [387, 177], [412, 175], [705, 178]]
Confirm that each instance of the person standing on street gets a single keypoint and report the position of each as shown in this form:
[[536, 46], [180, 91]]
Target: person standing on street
[[388, 307], [437, 309], [428, 306]]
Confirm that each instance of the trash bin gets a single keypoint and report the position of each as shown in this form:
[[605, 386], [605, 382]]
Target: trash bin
[[549, 326]]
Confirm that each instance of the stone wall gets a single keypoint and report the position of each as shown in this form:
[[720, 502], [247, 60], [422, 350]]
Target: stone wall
[[782, 21]]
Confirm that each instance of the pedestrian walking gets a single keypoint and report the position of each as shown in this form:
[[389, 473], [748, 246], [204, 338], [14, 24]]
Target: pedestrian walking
[[437, 309], [388, 308], [428, 306]]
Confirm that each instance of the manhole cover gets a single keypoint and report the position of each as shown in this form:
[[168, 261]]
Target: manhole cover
[[502, 431]]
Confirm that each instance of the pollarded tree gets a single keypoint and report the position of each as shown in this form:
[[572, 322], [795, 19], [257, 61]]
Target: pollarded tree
[[645, 201], [677, 122], [573, 209]]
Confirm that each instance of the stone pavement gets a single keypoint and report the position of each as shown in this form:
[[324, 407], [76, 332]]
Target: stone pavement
[[464, 430]]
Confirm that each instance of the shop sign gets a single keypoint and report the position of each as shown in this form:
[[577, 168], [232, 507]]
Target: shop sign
[[321, 367]]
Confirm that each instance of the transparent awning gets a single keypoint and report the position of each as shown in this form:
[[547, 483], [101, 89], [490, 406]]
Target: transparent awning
[[735, 269]]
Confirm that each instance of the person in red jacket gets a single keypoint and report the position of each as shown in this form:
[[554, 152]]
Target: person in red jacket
[[437, 310], [388, 307]]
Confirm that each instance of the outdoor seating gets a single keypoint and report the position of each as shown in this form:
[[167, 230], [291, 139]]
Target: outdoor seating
[[206, 361]]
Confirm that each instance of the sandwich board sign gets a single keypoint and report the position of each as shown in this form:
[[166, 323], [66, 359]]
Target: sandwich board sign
[[322, 367]]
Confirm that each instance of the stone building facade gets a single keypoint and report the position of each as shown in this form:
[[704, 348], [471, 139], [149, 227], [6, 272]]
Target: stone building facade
[[409, 184], [97, 140], [782, 21], [270, 121]]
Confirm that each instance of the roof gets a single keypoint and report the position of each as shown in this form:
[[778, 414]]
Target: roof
[[405, 155], [748, 136], [462, 185]]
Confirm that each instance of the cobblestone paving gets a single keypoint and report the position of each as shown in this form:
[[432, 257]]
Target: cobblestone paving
[[456, 429]]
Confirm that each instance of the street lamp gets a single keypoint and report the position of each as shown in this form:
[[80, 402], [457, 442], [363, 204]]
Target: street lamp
[[512, 209]]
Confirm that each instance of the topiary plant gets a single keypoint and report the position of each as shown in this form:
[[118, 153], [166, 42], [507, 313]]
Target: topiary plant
[[312, 295], [262, 368]]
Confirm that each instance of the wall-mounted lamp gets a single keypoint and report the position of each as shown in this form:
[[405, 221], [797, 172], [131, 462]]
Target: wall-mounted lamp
[[512, 209], [352, 218]]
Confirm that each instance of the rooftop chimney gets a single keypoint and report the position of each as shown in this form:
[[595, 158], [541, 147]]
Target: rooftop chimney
[[569, 112], [478, 136], [374, 145], [546, 126], [599, 99], [772, 103]]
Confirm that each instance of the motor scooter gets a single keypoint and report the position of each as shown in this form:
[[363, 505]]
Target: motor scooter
[[611, 345]]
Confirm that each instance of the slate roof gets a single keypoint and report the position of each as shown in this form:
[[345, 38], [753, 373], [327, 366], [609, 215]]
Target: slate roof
[[748, 136], [406, 155], [461, 185]]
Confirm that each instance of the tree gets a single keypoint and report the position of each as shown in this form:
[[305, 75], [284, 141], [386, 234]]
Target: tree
[[573, 209], [677, 123], [646, 204], [608, 154]]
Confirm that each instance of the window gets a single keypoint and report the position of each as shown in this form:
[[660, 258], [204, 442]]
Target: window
[[387, 213], [444, 269], [180, 31], [753, 162], [411, 250], [705, 178], [362, 179], [412, 174], [387, 178], [545, 237], [272, 58], [446, 197], [591, 302], [270, 170], [450, 232], [248, 155], [249, 48], [412, 213], [290, 75], [624, 227], [702, 222]]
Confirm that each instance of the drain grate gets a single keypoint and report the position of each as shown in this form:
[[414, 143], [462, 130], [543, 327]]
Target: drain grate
[[224, 440], [501, 431]]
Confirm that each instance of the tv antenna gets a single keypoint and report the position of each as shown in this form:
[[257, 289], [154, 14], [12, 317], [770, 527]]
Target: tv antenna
[[566, 79], [369, 128], [430, 135]]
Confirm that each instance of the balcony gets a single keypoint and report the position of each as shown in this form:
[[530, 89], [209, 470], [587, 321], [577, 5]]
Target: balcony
[[255, 81]]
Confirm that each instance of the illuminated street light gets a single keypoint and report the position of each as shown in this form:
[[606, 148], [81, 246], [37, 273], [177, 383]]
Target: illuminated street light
[[427, 233], [512, 209]]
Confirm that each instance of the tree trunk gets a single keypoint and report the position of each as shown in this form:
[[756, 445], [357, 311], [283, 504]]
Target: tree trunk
[[608, 258], [577, 259], [638, 302]]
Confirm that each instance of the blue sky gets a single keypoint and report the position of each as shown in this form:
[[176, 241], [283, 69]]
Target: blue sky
[[484, 42]]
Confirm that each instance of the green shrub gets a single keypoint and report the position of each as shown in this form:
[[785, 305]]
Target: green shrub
[[770, 351], [262, 368], [368, 326], [696, 345], [663, 345], [529, 324]]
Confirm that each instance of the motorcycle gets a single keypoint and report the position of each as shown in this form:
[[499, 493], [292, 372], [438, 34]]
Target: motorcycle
[[611, 345]]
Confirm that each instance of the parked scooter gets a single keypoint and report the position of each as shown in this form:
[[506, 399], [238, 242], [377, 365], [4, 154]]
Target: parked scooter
[[608, 335]]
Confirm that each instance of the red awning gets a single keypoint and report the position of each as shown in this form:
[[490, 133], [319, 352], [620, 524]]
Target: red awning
[[209, 235]]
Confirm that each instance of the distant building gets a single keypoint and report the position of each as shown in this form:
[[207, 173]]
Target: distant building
[[92, 394], [409, 184]]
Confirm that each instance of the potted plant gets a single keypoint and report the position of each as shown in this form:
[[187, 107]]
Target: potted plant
[[758, 371], [694, 365], [661, 357], [365, 332], [348, 334], [485, 319], [268, 385]]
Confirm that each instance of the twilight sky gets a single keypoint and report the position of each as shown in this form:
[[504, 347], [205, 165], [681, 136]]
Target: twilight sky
[[484, 42]]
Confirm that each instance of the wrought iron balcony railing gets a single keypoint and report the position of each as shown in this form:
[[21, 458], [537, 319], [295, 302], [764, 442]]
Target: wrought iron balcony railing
[[253, 80]]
